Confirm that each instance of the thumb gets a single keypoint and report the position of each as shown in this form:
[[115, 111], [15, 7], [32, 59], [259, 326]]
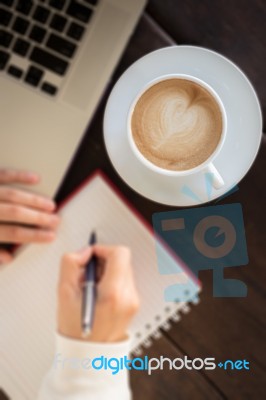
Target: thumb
[[72, 266]]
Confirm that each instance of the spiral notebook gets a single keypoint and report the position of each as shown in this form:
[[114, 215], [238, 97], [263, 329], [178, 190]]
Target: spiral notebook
[[28, 285]]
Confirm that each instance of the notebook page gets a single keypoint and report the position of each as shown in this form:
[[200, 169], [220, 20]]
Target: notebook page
[[28, 285]]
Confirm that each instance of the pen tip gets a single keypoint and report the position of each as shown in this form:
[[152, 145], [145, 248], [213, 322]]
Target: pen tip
[[93, 237]]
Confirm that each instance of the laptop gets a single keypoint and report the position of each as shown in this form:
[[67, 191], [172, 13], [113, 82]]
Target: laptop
[[56, 57]]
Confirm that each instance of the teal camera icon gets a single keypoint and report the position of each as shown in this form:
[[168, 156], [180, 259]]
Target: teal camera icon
[[207, 238]]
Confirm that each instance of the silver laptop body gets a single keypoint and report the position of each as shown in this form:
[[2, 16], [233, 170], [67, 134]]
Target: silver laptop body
[[48, 95]]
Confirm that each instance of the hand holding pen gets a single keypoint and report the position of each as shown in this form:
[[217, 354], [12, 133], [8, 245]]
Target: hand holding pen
[[89, 292], [117, 299]]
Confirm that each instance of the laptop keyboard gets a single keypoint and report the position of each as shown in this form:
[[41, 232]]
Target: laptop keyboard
[[38, 39]]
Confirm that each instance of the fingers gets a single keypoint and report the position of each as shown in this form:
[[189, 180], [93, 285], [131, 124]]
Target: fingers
[[16, 196], [118, 262], [14, 176], [105, 251], [24, 217], [5, 257], [117, 297], [20, 214], [116, 286], [20, 235]]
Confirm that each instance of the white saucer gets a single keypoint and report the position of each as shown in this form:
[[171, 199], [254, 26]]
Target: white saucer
[[244, 124]]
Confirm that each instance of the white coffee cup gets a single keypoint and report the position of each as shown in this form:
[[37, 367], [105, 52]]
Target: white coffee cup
[[207, 166]]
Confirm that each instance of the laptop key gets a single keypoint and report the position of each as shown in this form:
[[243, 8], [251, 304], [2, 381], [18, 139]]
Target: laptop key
[[78, 11], [58, 4], [5, 17], [92, 2], [5, 38], [49, 88], [21, 47], [34, 75], [7, 2], [41, 14], [58, 22], [37, 33], [4, 57], [75, 31], [20, 25], [61, 45], [15, 71], [49, 61], [24, 6]]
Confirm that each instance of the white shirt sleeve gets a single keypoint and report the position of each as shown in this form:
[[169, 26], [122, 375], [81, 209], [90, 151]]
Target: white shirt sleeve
[[72, 376]]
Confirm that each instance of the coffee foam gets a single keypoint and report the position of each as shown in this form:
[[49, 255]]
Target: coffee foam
[[177, 124]]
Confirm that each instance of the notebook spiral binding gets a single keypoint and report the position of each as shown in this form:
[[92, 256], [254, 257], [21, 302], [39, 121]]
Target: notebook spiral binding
[[166, 326]]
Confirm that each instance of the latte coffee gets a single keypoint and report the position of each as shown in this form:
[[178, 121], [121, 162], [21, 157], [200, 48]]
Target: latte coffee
[[177, 124]]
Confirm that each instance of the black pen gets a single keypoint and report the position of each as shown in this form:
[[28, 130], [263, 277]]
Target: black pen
[[89, 292]]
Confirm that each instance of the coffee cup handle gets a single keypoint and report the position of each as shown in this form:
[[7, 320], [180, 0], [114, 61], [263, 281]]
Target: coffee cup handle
[[217, 180]]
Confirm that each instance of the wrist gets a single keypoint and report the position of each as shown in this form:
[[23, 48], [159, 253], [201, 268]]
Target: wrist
[[105, 337]]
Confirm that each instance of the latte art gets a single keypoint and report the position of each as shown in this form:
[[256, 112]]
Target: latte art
[[177, 124]]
